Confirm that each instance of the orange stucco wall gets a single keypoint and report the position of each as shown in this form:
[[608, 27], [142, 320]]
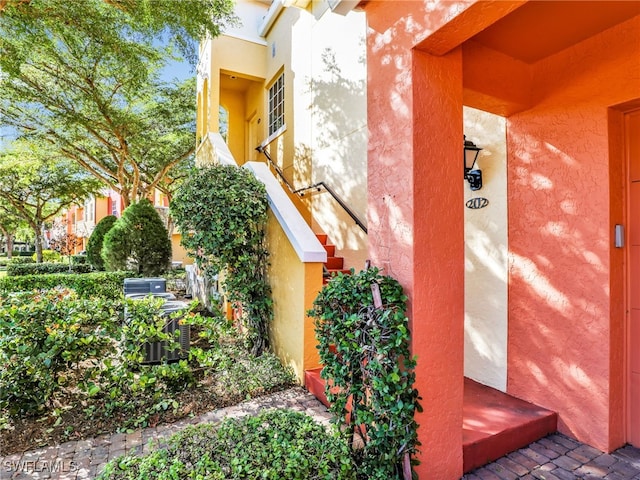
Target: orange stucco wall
[[566, 343], [566, 287], [416, 214]]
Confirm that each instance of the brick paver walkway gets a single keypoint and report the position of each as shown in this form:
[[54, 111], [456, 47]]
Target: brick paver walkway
[[554, 457], [558, 457], [84, 459]]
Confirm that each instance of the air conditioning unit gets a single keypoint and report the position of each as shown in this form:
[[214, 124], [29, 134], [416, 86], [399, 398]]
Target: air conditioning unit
[[158, 352], [144, 285]]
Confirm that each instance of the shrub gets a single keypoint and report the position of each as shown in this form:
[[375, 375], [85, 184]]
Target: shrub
[[17, 269], [364, 347], [107, 285], [41, 336], [96, 241], [49, 256], [139, 241], [20, 253], [275, 444], [222, 214], [22, 260], [79, 260]]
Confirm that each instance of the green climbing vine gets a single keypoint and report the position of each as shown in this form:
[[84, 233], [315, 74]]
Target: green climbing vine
[[221, 212], [364, 344]]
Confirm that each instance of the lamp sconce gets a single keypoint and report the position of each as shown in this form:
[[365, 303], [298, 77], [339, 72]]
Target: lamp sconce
[[471, 175]]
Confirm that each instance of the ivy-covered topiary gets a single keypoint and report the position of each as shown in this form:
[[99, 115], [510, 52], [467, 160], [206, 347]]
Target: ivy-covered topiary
[[94, 245], [138, 241], [222, 214], [364, 346]]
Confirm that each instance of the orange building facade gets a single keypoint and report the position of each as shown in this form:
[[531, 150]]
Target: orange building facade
[[565, 77]]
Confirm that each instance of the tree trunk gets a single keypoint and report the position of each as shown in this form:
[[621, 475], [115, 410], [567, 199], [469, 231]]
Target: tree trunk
[[8, 241], [38, 242], [9, 238]]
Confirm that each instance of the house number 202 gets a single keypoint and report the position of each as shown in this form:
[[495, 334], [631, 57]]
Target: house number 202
[[476, 203]]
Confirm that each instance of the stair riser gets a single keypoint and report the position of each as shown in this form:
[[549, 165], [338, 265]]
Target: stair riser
[[335, 263]]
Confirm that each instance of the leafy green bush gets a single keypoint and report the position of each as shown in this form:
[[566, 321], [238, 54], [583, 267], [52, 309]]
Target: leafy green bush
[[365, 350], [138, 241], [96, 241], [49, 256], [222, 214], [276, 444], [22, 260], [42, 335], [20, 253], [59, 352], [17, 269], [108, 285], [79, 260]]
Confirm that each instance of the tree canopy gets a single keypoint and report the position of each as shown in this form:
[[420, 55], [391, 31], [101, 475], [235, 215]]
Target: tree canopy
[[38, 184], [86, 77]]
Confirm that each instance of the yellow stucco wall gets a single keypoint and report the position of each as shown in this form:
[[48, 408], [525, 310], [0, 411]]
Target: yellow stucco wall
[[230, 54], [294, 286]]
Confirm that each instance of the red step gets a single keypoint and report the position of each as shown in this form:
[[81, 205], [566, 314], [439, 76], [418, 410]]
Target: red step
[[494, 423], [331, 250], [334, 263], [315, 384]]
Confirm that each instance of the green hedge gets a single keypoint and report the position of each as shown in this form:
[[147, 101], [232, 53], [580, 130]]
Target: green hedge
[[18, 269], [108, 285], [22, 260]]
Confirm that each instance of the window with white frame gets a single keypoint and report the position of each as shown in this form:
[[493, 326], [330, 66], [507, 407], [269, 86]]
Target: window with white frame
[[276, 105], [114, 206], [90, 210]]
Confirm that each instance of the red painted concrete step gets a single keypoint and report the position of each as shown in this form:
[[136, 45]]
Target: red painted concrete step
[[335, 263], [495, 424], [315, 385]]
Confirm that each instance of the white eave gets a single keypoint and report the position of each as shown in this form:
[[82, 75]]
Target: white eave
[[274, 10], [343, 6]]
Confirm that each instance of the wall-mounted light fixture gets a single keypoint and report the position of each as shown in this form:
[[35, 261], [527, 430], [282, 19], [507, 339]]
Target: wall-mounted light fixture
[[474, 177]]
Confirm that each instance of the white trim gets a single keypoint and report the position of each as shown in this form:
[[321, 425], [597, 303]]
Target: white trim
[[269, 19], [273, 136], [221, 150], [343, 7], [247, 38], [304, 241]]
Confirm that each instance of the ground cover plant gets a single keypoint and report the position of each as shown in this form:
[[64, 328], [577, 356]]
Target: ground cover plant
[[71, 367], [276, 444]]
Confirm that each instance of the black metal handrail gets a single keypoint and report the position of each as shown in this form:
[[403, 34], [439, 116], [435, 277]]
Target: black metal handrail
[[261, 149], [316, 186], [336, 197]]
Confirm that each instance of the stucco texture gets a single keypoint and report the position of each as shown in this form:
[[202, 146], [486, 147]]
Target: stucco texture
[[563, 342]]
